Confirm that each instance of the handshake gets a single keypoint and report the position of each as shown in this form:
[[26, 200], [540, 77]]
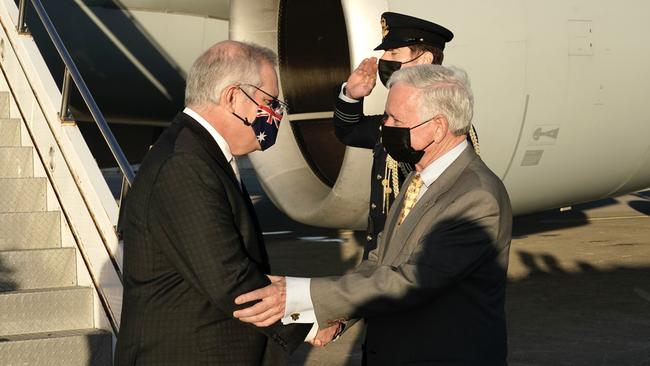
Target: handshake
[[271, 308]]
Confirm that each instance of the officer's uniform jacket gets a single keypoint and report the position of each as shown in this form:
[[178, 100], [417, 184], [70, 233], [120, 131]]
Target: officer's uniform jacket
[[355, 129]]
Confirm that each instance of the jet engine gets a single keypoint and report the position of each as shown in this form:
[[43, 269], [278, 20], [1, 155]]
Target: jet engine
[[559, 87]]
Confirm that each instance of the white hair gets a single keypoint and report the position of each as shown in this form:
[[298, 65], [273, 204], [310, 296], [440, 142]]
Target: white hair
[[224, 64], [443, 90]]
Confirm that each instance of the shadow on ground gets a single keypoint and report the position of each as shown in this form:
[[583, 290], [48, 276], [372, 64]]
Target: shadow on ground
[[553, 220], [558, 313], [592, 317]]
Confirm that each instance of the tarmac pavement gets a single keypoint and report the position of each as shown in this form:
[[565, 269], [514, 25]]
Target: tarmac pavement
[[578, 291], [579, 281]]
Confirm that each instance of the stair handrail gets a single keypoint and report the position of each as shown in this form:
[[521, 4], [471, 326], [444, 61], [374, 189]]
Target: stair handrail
[[71, 71]]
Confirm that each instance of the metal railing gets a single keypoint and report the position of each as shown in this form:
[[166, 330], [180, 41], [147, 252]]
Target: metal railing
[[71, 72]]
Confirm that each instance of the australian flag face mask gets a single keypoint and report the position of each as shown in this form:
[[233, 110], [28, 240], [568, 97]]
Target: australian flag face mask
[[267, 120]]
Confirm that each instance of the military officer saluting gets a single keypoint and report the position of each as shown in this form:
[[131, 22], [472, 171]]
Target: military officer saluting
[[406, 41]]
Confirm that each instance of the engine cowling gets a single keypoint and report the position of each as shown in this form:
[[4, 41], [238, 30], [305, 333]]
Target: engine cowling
[[550, 100]]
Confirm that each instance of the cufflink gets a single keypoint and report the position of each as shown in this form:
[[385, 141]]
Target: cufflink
[[295, 316]]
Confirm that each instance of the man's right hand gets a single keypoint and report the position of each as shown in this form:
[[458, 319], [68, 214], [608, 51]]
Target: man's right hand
[[363, 79], [271, 307]]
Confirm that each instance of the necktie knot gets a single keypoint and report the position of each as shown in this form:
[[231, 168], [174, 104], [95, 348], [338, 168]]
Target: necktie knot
[[411, 196]]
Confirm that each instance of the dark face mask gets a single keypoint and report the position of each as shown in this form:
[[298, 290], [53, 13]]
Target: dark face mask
[[397, 142], [267, 120], [387, 68]]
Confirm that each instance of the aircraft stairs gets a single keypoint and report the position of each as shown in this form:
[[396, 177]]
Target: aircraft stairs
[[60, 253], [46, 317]]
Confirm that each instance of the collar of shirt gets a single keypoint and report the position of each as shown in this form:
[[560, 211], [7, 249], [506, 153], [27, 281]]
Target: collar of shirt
[[213, 132], [438, 166], [223, 145]]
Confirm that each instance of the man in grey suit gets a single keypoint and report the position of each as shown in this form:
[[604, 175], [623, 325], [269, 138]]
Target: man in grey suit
[[433, 291], [192, 242]]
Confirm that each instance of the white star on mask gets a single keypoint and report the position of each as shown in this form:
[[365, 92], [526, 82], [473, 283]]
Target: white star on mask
[[261, 137]]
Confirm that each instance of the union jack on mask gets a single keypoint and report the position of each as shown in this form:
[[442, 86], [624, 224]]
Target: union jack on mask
[[267, 123], [267, 119]]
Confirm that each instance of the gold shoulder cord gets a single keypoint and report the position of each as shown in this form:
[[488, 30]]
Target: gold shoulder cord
[[391, 177], [474, 139]]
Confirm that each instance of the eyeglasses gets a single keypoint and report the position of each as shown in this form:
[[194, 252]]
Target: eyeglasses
[[385, 118], [278, 106]]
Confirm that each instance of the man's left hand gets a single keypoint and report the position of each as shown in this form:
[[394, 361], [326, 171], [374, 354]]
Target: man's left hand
[[325, 336], [271, 307]]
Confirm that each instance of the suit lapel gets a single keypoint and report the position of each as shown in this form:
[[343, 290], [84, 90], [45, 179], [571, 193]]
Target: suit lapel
[[439, 187]]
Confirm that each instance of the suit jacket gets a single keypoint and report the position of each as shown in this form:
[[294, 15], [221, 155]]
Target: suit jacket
[[191, 245], [433, 291]]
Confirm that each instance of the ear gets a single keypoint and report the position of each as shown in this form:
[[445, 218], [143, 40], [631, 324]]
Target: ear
[[426, 58], [228, 97], [442, 127]]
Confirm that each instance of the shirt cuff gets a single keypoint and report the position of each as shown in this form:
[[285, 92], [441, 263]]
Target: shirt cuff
[[298, 308], [312, 333], [344, 97]]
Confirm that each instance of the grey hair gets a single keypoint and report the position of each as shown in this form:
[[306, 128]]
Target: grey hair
[[443, 90], [224, 64]]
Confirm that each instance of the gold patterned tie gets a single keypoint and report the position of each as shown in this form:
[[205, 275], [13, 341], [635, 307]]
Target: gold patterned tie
[[410, 197]]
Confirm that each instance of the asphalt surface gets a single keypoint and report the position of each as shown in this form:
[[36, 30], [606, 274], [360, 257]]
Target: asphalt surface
[[578, 291], [579, 281]]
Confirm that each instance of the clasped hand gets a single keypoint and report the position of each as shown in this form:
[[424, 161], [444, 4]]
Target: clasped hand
[[271, 308]]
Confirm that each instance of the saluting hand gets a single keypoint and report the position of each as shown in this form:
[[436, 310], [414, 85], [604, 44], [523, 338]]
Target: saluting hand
[[270, 309], [363, 79]]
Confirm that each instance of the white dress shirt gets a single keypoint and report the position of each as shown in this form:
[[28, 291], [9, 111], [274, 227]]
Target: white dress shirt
[[299, 307], [438, 166], [225, 148]]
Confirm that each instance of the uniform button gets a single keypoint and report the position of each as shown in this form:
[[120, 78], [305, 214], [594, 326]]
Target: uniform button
[[369, 237], [378, 177], [373, 206]]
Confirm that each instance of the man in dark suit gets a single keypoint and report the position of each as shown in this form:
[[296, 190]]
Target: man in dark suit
[[433, 292], [191, 238]]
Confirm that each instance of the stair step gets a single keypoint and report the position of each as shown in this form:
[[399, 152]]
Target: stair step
[[70, 348], [22, 194], [37, 269], [30, 230], [16, 162], [9, 131], [49, 310]]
